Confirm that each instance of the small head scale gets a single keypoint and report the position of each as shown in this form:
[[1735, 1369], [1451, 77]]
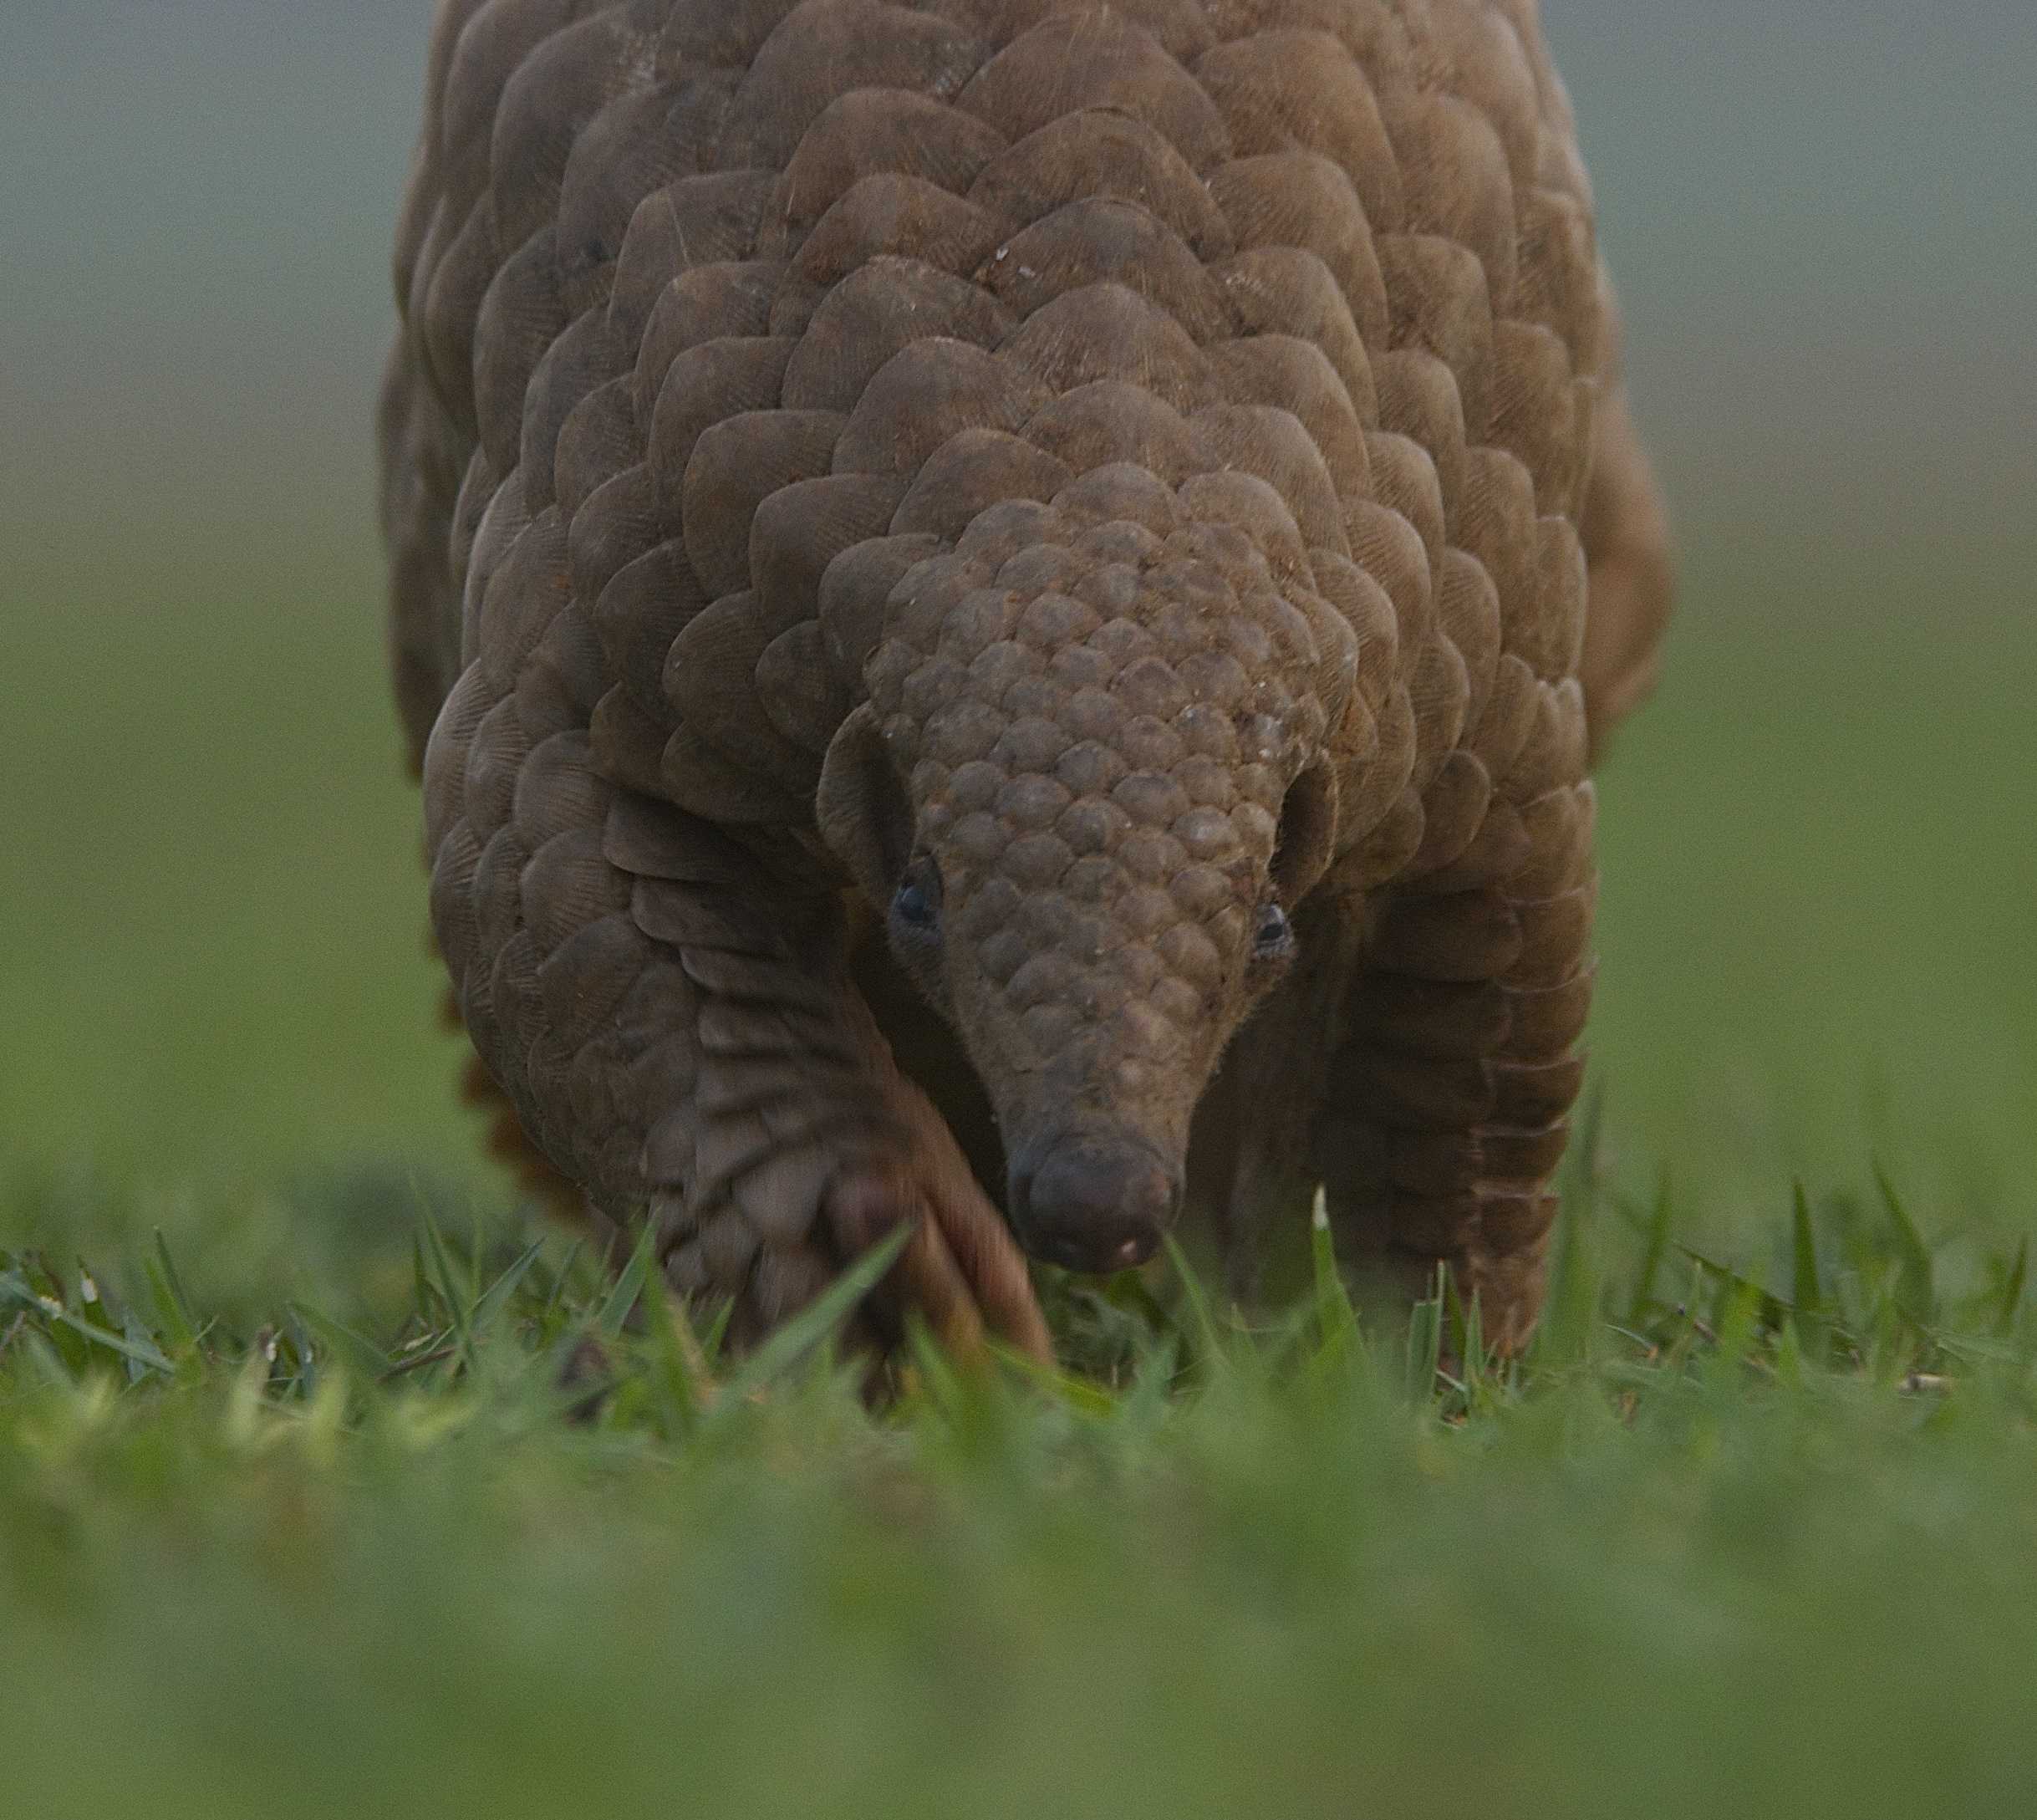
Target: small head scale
[[1105, 721]]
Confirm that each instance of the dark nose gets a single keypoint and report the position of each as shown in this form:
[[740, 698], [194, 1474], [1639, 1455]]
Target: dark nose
[[1093, 1204]]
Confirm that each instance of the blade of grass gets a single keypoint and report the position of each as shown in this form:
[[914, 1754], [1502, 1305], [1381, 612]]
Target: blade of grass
[[244, 1401], [679, 1373], [1915, 1292], [178, 1337], [477, 1246], [940, 1385], [1336, 1321], [417, 1362], [459, 1308], [1143, 1408], [1575, 1294], [361, 1359], [1989, 1351], [180, 1322], [2012, 1291], [423, 1293], [1456, 1325], [559, 1281], [1477, 1376], [1658, 1249], [139, 1352], [489, 1309], [1085, 1398], [1584, 1153], [1804, 1275], [304, 1370], [93, 1307], [788, 1345], [133, 1328], [1467, 1342], [1424, 1350], [50, 1365], [1199, 1303], [1768, 1307], [622, 1297], [717, 1332]]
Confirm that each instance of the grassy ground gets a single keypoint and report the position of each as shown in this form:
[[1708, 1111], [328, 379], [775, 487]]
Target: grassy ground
[[513, 1550], [301, 1518]]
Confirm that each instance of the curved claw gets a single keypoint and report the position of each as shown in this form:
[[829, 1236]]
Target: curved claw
[[962, 1272]]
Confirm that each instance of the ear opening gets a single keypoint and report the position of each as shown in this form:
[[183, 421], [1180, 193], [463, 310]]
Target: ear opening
[[1307, 834], [861, 808]]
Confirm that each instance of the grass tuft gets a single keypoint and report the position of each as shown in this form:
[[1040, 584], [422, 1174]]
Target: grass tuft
[[525, 1541]]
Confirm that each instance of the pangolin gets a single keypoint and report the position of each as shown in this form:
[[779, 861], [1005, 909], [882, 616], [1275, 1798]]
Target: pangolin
[[1003, 607]]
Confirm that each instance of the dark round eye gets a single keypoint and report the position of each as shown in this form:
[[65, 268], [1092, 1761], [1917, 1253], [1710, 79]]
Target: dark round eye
[[1273, 935], [917, 903]]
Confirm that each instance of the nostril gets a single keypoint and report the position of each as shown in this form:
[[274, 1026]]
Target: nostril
[[1096, 1206]]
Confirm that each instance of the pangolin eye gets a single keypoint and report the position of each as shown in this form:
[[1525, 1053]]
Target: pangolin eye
[[1273, 935], [918, 902]]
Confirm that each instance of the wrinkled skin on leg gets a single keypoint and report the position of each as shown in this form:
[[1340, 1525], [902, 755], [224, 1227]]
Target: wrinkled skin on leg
[[1104, 504], [719, 1066]]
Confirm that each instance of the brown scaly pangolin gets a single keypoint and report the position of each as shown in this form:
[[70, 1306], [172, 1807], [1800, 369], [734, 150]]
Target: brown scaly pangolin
[[1012, 600]]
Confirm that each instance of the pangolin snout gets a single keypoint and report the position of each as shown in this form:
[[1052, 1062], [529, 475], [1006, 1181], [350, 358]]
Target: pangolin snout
[[1092, 1203]]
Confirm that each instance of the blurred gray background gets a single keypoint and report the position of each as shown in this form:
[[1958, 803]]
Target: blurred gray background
[[1822, 217]]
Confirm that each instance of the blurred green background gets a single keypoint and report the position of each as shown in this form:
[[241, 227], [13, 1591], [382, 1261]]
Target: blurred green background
[[1820, 870]]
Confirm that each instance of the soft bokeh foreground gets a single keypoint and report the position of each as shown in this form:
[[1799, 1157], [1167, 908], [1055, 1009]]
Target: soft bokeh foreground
[[295, 1514], [1710, 1551]]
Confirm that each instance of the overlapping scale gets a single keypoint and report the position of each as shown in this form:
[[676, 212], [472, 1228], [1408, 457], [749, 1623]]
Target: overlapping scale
[[724, 321]]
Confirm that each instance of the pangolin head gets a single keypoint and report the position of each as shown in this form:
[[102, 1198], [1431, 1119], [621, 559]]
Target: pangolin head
[[1091, 784]]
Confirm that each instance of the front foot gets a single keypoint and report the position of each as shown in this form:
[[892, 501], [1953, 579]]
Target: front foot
[[961, 1272]]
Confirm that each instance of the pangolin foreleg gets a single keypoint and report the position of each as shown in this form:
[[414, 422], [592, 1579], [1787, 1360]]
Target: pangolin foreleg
[[679, 1033], [1447, 1103]]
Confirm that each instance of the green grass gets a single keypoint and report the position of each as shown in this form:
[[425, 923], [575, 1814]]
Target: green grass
[[213, 945], [1819, 885], [1719, 1545], [293, 1518]]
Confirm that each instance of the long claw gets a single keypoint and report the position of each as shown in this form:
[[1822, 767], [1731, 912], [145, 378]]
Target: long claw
[[961, 1272]]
